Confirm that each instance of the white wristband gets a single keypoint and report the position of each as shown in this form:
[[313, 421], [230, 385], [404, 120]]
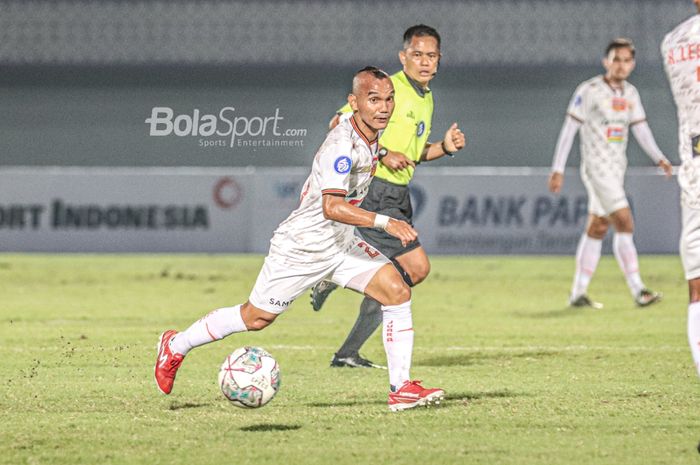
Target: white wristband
[[381, 221]]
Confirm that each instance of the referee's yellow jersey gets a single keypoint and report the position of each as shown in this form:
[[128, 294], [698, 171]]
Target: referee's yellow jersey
[[408, 128]]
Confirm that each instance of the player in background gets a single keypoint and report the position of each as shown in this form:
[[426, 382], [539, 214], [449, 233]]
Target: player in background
[[604, 108], [404, 144], [680, 50], [318, 241]]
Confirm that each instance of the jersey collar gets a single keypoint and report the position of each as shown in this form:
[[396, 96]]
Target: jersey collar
[[615, 91], [420, 90], [362, 136]]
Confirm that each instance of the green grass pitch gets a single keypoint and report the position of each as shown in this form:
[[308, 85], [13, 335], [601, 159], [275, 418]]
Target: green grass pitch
[[528, 381]]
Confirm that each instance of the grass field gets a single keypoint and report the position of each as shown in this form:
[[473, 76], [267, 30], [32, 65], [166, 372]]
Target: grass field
[[528, 381]]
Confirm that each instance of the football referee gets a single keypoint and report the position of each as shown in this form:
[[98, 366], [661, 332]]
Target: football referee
[[404, 144]]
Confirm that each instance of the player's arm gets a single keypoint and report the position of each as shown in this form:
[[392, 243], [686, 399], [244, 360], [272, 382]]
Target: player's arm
[[454, 141], [335, 208], [561, 152], [642, 132]]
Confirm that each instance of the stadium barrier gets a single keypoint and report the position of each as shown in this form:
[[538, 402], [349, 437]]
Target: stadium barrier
[[220, 210]]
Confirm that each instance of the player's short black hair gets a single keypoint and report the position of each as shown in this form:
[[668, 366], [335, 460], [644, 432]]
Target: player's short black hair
[[620, 42], [374, 71], [420, 30]]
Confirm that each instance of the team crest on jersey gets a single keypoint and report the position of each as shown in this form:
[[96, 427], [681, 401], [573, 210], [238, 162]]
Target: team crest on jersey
[[342, 164], [619, 104], [695, 144], [421, 129], [615, 135]]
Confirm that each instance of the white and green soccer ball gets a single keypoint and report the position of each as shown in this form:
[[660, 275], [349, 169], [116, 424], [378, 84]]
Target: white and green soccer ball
[[249, 377]]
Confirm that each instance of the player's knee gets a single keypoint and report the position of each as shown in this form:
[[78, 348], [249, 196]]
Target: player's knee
[[258, 324], [420, 272], [397, 291], [256, 319], [598, 229], [694, 290]]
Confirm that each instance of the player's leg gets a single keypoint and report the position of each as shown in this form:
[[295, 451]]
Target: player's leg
[[369, 272], [414, 266], [626, 255], [690, 256], [173, 346], [587, 258], [275, 289], [368, 320], [694, 321]]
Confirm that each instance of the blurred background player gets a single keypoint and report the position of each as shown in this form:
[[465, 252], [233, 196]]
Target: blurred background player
[[318, 241], [605, 108], [404, 144], [681, 54]]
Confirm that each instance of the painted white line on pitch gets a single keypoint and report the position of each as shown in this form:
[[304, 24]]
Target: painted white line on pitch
[[576, 348]]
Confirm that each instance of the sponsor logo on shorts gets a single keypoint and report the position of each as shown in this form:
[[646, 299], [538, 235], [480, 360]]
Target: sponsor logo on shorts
[[342, 164], [280, 303], [619, 104], [695, 144], [616, 135], [421, 129]]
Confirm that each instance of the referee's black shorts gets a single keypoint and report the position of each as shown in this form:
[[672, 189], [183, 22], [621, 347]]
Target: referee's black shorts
[[392, 200]]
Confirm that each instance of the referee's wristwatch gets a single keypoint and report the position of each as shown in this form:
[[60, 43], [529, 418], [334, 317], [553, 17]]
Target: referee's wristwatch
[[381, 153]]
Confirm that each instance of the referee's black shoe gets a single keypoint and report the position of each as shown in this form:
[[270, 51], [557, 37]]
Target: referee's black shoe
[[584, 301], [320, 292], [353, 361]]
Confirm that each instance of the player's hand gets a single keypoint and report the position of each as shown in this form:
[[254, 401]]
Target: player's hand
[[556, 180], [402, 231], [666, 166], [454, 139], [397, 161]]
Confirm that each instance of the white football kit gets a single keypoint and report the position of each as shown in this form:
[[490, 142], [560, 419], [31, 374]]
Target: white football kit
[[306, 247], [681, 53], [605, 115]]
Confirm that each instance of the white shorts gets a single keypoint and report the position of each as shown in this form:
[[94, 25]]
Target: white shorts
[[281, 281], [690, 242], [605, 195]]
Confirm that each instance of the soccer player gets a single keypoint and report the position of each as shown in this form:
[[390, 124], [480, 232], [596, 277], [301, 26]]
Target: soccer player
[[404, 144], [317, 240], [681, 53], [605, 108]]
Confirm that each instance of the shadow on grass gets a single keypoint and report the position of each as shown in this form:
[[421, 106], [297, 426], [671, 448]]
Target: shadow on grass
[[179, 406], [265, 427], [564, 312], [482, 395], [347, 403], [473, 358]]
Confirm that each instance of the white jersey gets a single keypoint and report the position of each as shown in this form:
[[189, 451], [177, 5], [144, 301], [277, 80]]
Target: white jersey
[[344, 165], [681, 53], [605, 115]]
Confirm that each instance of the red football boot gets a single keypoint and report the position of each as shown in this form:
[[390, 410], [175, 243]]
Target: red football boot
[[412, 394], [167, 363]]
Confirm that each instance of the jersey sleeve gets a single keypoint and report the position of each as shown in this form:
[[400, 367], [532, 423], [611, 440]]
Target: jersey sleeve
[[344, 109], [637, 113], [577, 104], [335, 164]]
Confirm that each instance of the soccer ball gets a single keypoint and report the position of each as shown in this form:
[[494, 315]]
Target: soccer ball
[[249, 377]]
